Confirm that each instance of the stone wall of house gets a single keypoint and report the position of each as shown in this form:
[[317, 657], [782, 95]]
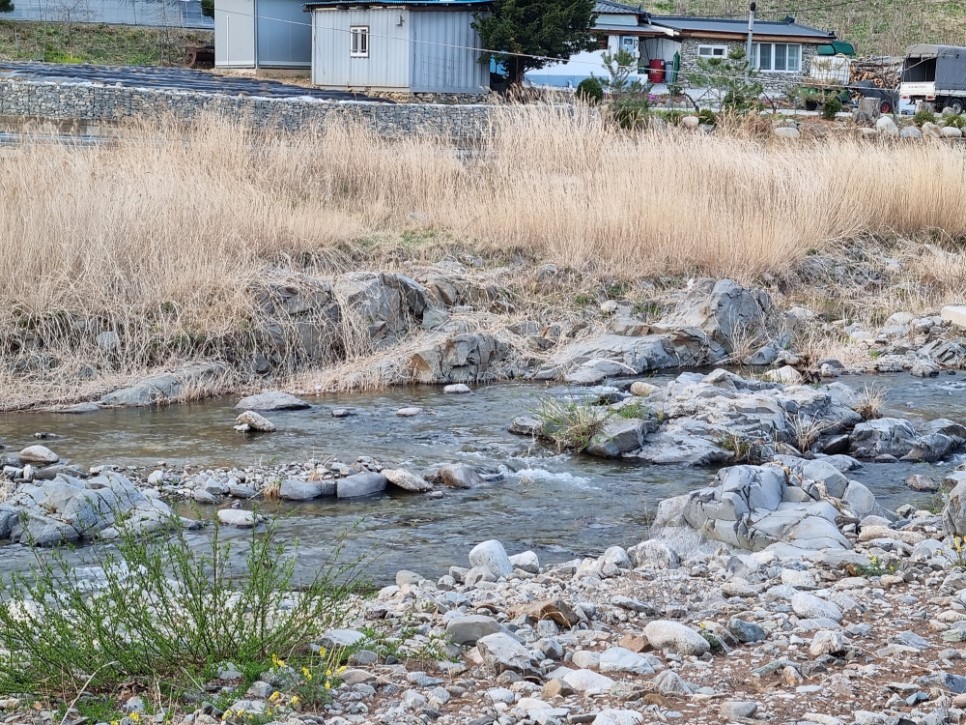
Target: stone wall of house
[[775, 84], [108, 104]]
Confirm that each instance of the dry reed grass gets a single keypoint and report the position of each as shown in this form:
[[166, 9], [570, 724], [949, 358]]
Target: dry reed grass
[[165, 235]]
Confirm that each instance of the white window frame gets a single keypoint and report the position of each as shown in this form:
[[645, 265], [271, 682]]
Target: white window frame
[[756, 58], [714, 51], [359, 41]]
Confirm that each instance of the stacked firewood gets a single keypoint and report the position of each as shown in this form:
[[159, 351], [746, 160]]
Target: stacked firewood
[[883, 71]]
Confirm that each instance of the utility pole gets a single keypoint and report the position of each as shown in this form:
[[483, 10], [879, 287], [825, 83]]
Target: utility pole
[[751, 34]]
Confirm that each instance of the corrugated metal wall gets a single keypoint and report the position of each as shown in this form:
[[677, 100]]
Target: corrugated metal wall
[[445, 59], [116, 12], [235, 33], [284, 34], [388, 64]]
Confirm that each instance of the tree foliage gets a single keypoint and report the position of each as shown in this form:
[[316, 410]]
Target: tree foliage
[[6, 6], [207, 8], [514, 31], [732, 79]]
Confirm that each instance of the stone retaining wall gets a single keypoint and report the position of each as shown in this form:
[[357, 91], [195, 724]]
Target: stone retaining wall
[[95, 103]]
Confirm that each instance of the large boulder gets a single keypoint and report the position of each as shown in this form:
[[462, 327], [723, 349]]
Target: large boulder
[[467, 357], [752, 508], [502, 653], [165, 387], [272, 400], [954, 513], [618, 436], [360, 484], [664, 634]]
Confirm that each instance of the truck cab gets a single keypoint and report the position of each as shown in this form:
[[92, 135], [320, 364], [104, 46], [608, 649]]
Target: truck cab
[[935, 74]]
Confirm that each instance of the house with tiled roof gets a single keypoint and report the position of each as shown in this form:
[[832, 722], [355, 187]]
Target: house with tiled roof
[[667, 48]]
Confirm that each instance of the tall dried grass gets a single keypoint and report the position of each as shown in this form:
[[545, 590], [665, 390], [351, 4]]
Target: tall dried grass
[[164, 234]]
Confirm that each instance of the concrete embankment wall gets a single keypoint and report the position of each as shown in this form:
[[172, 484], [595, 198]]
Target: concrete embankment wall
[[94, 104]]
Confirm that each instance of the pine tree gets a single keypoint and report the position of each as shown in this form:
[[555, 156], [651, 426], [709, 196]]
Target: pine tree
[[6, 6], [528, 34]]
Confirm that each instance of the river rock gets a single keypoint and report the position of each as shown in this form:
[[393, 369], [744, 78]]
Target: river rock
[[252, 421], [491, 557], [406, 481], [918, 482], [274, 400], [588, 682], [526, 425], [809, 606], [457, 389], [471, 628], [664, 634], [743, 710], [502, 653], [609, 716], [409, 412], [642, 389], [459, 358], [954, 512], [458, 475], [165, 387], [293, 489], [885, 436], [618, 436], [618, 659], [653, 554], [827, 642], [786, 375], [360, 484], [527, 561], [38, 454], [239, 518]]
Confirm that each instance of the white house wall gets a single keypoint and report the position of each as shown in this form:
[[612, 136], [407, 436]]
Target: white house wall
[[388, 64], [284, 34], [445, 53], [579, 67], [235, 33]]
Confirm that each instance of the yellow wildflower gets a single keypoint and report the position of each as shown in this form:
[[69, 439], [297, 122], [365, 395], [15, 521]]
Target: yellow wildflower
[[135, 717], [275, 696], [227, 715], [295, 700], [328, 685], [277, 661], [322, 651], [307, 674], [341, 670], [115, 722]]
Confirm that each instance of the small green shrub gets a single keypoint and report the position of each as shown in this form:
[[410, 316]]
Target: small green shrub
[[161, 610], [590, 90], [958, 121], [631, 112], [831, 107], [708, 117], [923, 116]]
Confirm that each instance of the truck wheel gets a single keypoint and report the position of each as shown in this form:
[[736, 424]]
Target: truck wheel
[[885, 107], [956, 105]]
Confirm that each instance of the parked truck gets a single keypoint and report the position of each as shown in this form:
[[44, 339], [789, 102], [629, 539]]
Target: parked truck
[[850, 78], [935, 74]]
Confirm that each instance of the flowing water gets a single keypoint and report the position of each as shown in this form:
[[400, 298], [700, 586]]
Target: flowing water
[[561, 506]]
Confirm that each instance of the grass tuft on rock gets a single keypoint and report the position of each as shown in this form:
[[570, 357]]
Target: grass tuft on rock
[[163, 612]]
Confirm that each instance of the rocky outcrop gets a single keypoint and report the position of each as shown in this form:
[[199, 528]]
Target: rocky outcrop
[[67, 509], [712, 323], [897, 438], [757, 507], [467, 357], [166, 387]]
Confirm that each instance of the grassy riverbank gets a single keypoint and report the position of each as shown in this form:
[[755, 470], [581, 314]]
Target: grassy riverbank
[[59, 42], [167, 236]]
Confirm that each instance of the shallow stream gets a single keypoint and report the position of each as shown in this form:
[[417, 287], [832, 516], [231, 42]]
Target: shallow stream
[[561, 506]]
